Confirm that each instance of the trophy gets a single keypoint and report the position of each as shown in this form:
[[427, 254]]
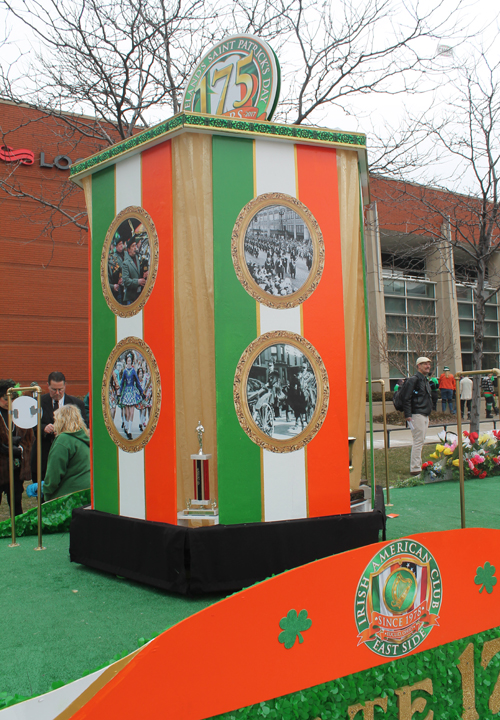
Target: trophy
[[201, 505]]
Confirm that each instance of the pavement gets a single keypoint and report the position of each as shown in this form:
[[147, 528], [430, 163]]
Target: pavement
[[400, 437]]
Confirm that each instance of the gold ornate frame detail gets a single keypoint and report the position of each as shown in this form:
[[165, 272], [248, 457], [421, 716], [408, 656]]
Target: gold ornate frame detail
[[240, 391], [136, 345], [139, 214], [238, 250]]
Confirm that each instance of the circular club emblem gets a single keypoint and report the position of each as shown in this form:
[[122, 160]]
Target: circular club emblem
[[398, 599], [238, 78]]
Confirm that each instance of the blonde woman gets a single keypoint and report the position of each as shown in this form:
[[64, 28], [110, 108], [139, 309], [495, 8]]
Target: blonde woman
[[68, 466]]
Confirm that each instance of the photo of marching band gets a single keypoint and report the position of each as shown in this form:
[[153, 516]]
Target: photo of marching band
[[129, 261], [130, 394], [282, 391], [278, 250]]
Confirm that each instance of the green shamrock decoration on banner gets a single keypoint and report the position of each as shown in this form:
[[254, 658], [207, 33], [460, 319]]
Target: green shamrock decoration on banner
[[293, 625], [486, 577]]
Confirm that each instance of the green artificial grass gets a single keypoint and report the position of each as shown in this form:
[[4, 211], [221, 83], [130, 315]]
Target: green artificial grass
[[61, 620], [436, 506]]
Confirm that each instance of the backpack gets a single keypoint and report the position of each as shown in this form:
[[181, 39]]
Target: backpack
[[397, 398]]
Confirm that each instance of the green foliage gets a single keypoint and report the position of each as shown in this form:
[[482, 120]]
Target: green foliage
[[411, 481], [486, 578], [330, 700], [56, 516], [293, 625]]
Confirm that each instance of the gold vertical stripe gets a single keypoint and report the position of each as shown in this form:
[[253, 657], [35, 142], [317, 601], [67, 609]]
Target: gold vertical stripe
[[193, 307], [354, 316], [262, 503], [296, 172]]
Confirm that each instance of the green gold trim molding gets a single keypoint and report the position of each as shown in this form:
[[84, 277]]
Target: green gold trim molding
[[199, 121]]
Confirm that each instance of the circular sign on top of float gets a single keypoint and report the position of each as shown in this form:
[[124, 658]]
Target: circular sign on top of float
[[25, 412], [238, 78]]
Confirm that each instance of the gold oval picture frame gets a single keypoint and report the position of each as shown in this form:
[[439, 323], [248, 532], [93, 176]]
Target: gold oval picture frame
[[281, 391], [131, 393], [278, 250], [128, 272]]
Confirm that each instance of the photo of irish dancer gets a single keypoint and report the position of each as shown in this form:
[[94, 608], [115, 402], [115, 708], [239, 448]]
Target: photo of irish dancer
[[278, 250], [130, 392], [281, 391]]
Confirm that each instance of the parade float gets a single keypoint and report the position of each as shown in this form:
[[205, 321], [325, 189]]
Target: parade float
[[227, 338]]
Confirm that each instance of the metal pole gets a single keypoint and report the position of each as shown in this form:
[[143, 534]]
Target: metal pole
[[460, 454], [459, 432], [386, 441], [38, 393], [11, 472], [386, 445]]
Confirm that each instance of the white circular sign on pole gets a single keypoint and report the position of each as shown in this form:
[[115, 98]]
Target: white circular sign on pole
[[24, 412], [238, 78]]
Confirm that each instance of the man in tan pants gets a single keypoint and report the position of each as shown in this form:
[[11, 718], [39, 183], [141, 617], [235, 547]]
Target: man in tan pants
[[417, 406]]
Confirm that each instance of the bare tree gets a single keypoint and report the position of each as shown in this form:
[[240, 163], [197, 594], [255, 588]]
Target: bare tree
[[468, 132], [125, 64]]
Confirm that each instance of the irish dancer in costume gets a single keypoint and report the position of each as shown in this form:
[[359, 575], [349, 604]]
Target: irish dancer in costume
[[130, 391]]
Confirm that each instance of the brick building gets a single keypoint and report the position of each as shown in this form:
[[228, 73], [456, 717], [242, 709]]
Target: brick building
[[44, 317]]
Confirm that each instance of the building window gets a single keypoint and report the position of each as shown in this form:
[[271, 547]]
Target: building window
[[466, 313], [410, 316]]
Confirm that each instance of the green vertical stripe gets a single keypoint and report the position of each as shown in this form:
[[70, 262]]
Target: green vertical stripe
[[105, 461], [238, 458]]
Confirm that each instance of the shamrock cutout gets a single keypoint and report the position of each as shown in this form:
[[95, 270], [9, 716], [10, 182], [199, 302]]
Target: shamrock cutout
[[486, 577], [293, 625]]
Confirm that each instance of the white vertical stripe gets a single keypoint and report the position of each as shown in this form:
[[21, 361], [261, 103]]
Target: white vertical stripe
[[285, 494], [132, 489], [130, 465]]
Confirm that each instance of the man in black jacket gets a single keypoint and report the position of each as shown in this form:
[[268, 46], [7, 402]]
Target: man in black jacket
[[417, 406], [51, 401]]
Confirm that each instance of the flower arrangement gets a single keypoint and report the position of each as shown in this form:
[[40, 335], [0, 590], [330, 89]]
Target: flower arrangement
[[481, 457]]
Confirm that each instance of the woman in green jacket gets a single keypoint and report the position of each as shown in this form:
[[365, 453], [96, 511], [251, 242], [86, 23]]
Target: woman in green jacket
[[68, 467]]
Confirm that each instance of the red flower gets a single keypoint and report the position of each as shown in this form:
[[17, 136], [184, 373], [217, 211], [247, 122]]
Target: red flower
[[465, 433], [473, 437], [496, 433], [483, 475], [496, 460], [427, 464], [475, 472]]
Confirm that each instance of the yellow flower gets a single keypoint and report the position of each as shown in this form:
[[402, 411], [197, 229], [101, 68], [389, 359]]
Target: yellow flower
[[491, 441], [448, 451], [483, 439], [439, 448], [456, 462], [434, 455]]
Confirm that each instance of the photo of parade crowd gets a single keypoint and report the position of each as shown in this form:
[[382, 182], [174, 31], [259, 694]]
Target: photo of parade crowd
[[129, 261], [278, 250], [130, 394], [281, 391]]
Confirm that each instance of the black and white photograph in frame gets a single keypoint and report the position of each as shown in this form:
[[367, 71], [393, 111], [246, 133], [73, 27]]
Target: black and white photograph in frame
[[129, 261], [131, 394], [281, 391], [278, 250]]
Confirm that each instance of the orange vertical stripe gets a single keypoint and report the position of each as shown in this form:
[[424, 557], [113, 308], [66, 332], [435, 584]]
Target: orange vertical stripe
[[323, 317], [160, 458]]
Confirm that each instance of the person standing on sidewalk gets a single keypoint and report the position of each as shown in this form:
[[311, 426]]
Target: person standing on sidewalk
[[447, 387], [417, 405], [465, 396], [488, 392]]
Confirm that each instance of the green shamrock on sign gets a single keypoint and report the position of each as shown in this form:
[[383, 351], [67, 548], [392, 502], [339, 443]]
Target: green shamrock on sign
[[293, 625], [486, 577]]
